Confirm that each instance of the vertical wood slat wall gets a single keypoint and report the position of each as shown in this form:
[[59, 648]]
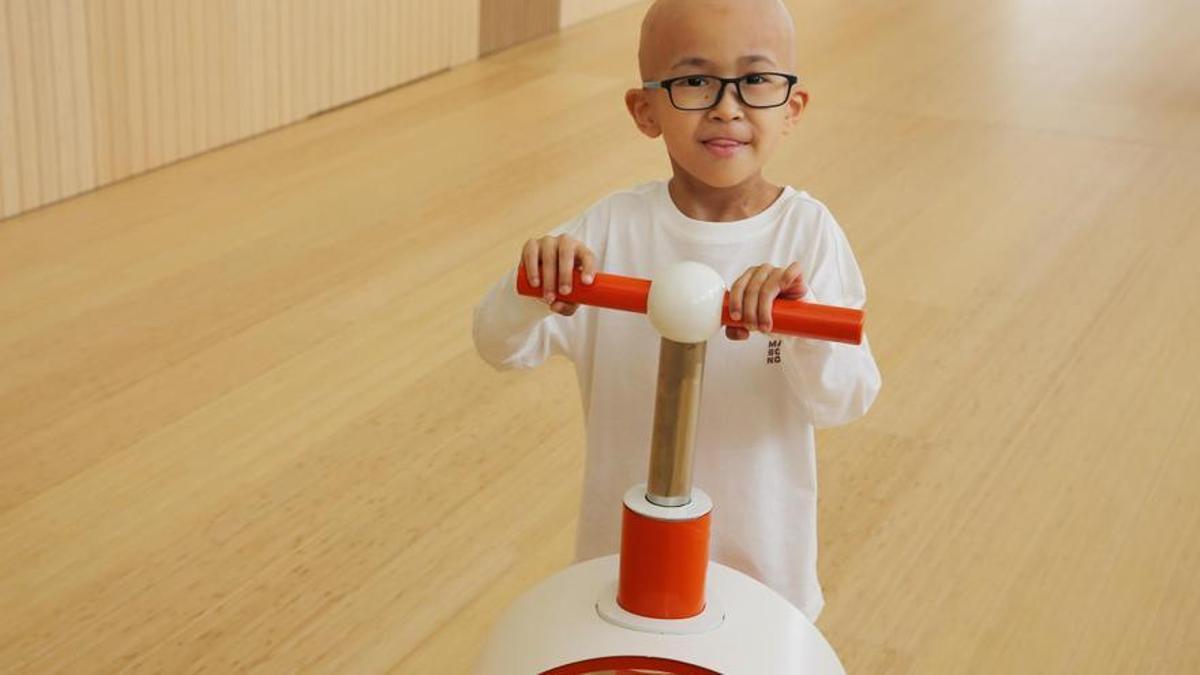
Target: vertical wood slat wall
[[93, 91], [503, 23]]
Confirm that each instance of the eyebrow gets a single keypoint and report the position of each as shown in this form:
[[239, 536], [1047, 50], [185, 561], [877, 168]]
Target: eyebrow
[[700, 61]]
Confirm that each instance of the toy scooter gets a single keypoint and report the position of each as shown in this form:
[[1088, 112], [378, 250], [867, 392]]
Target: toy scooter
[[661, 606]]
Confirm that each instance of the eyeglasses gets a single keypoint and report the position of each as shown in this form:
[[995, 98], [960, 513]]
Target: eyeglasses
[[701, 92]]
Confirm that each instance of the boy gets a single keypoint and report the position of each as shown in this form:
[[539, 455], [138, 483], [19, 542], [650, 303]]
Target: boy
[[763, 394]]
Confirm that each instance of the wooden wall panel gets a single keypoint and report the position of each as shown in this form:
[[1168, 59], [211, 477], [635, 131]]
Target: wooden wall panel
[[141, 66], [45, 107], [503, 23], [65, 125], [81, 87], [464, 43], [10, 152], [93, 91], [24, 105]]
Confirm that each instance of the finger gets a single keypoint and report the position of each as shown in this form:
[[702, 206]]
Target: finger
[[549, 252], [736, 333], [766, 299], [566, 263], [792, 282], [530, 255], [564, 308], [735, 296], [750, 299], [588, 260]]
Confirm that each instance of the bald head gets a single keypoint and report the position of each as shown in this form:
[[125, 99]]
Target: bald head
[[720, 34]]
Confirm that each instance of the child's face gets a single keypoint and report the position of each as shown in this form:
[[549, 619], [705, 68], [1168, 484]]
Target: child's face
[[725, 39]]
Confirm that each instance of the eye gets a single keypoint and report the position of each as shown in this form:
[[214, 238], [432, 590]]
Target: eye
[[695, 81], [754, 78]]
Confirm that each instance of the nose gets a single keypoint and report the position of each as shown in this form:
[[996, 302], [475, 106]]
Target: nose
[[727, 107]]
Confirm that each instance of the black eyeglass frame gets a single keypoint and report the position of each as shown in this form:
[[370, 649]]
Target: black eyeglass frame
[[792, 80]]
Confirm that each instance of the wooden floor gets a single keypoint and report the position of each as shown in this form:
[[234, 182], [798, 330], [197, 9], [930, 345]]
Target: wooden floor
[[242, 424]]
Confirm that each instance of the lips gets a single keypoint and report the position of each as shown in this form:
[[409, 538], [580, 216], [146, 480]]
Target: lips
[[723, 146]]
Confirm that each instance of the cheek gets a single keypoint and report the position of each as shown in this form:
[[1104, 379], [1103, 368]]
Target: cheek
[[769, 132], [679, 136]]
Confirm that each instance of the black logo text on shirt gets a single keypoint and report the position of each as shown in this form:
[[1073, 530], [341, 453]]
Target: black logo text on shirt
[[773, 351]]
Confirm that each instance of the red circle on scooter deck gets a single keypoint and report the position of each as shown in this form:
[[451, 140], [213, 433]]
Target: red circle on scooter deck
[[663, 565], [608, 664]]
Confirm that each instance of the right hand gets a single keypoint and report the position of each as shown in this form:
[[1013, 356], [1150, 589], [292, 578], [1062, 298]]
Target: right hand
[[550, 262]]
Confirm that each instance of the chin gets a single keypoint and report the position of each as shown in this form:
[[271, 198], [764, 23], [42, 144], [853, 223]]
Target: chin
[[716, 173], [724, 179]]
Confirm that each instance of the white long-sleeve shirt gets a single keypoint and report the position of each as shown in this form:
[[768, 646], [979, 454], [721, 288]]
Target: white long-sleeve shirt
[[762, 397]]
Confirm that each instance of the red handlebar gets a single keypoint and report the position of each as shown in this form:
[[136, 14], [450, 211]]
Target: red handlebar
[[788, 317]]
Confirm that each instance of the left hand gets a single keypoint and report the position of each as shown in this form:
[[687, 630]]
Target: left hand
[[753, 293]]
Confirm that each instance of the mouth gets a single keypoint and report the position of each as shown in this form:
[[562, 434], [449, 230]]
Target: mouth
[[723, 147]]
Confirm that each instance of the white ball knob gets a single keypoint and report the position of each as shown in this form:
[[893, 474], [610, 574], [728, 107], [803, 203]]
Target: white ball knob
[[685, 302]]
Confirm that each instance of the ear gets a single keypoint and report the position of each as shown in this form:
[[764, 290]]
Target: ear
[[796, 104], [641, 112]]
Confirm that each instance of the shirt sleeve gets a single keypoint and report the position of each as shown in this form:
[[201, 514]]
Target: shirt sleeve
[[516, 332], [834, 383]]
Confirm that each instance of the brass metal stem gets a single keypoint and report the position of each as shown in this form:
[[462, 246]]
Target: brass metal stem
[[676, 412]]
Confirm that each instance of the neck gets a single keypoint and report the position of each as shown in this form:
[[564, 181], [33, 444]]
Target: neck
[[701, 201]]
